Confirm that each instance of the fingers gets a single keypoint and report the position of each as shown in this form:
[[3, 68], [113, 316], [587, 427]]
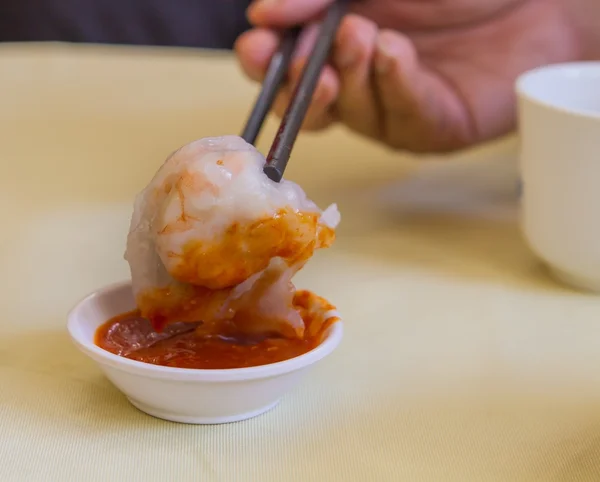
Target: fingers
[[421, 111], [401, 87], [353, 58], [254, 50], [377, 86], [320, 114], [285, 13]]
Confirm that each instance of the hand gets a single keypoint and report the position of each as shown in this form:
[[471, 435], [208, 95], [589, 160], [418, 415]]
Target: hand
[[420, 75]]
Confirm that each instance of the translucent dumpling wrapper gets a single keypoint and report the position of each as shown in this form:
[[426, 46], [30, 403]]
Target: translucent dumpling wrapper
[[213, 239]]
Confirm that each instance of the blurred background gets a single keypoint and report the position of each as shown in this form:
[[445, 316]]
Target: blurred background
[[188, 23]]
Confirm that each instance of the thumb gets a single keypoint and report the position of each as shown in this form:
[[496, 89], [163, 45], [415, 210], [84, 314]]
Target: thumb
[[285, 13]]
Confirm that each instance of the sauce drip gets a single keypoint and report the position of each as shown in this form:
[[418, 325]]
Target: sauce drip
[[179, 345]]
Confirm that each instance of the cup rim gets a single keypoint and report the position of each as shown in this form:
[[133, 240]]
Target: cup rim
[[332, 339], [524, 91]]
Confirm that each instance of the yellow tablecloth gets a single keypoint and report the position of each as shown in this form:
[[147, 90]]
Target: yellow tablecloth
[[462, 361]]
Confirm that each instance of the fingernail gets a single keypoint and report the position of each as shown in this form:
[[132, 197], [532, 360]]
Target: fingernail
[[385, 55]]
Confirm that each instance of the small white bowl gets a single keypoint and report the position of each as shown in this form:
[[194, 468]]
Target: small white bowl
[[188, 395]]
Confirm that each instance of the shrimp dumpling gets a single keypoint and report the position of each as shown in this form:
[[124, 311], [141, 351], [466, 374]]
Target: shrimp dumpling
[[213, 239]]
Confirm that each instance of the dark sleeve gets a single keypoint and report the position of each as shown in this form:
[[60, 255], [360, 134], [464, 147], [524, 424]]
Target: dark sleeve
[[190, 23]]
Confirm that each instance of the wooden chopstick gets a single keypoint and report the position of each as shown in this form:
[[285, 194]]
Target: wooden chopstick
[[276, 73], [293, 118]]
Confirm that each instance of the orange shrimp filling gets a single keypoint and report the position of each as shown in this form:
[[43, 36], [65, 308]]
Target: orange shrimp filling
[[210, 271], [246, 249]]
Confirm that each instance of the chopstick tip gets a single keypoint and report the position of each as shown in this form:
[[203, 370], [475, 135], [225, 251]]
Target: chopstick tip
[[273, 173]]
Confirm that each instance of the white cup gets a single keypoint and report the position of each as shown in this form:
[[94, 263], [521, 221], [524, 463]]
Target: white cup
[[559, 117]]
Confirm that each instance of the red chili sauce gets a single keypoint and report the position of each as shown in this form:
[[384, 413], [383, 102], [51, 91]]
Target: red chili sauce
[[178, 345]]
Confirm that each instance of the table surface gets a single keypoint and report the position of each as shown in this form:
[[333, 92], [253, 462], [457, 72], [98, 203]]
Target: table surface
[[462, 361]]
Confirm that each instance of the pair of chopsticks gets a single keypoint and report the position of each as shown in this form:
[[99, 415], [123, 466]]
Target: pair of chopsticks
[[292, 120]]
